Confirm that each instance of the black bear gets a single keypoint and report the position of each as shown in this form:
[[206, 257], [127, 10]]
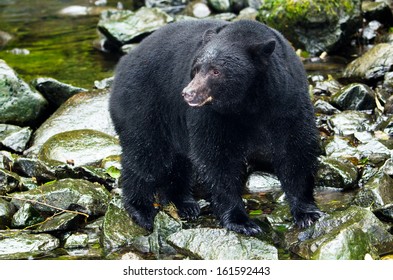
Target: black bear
[[205, 97]]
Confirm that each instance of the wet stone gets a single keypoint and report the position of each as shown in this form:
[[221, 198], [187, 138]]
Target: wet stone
[[199, 10], [6, 212], [221, 244], [336, 173], [118, 228], [26, 216], [168, 6], [220, 6], [375, 152], [378, 10], [339, 147], [9, 181], [315, 26], [14, 137], [85, 196], [76, 240], [19, 104], [87, 110], [62, 222], [372, 65], [349, 122], [354, 97], [164, 225], [388, 82], [4, 38], [387, 168], [32, 167], [6, 160], [323, 107], [14, 245], [376, 193], [123, 27], [348, 234], [78, 148], [54, 91], [262, 182]]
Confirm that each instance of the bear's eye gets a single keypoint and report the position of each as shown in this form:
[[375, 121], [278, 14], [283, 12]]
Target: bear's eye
[[216, 72]]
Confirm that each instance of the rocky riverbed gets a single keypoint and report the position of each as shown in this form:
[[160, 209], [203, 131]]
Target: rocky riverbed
[[60, 157]]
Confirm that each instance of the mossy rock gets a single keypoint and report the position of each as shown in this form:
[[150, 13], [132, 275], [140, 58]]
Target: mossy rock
[[314, 25]]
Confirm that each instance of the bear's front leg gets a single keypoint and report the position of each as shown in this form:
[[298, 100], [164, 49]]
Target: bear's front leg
[[219, 159], [226, 180]]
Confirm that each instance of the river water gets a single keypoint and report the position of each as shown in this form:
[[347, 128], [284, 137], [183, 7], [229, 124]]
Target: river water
[[61, 47]]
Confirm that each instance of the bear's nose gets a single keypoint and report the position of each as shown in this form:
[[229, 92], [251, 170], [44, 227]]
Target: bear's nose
[[188, 93]]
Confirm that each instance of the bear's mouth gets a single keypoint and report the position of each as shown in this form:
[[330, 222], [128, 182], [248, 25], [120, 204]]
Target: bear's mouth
[[196, 100]]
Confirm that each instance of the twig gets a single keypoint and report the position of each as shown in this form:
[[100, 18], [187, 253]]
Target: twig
[[47, 205]]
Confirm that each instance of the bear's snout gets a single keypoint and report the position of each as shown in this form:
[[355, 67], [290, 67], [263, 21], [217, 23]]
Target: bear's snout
[[196, 93]]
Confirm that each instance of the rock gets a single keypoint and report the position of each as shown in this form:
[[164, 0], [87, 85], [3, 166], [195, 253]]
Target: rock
[[78, 147], [163, 226], [354, 97], [9, 181], [224, 16], [25, 245], [79, 11], [375, 152], [6, 160], [220, 6], [349, 122], [387, 168], [106, 83], [123, 27], [168, 6], [372, 65], [377, 10], [255, 4], [336, 173], [4, 39], [325, 87], [32, 167], [14, 137], [388, 82], [26, 216], [87, 110], [87, 197], [371, 31], [6, 212], [64, 221], [340, 148], [314, 25], [262, 182], [330, 200], [247, 14], [348, 234], [118, 228], [221, 244], [323, 107], [199, 10], [19, 105], [376, 193], [76, 240], [54, 91]]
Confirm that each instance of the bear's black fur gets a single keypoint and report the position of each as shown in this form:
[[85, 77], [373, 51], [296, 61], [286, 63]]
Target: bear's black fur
[[204, 97]]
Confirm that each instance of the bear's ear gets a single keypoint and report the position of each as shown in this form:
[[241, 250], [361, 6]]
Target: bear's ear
[[264, 49], [208, 35]]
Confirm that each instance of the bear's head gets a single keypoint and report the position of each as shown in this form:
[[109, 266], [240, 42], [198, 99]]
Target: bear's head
[[226, 70]]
